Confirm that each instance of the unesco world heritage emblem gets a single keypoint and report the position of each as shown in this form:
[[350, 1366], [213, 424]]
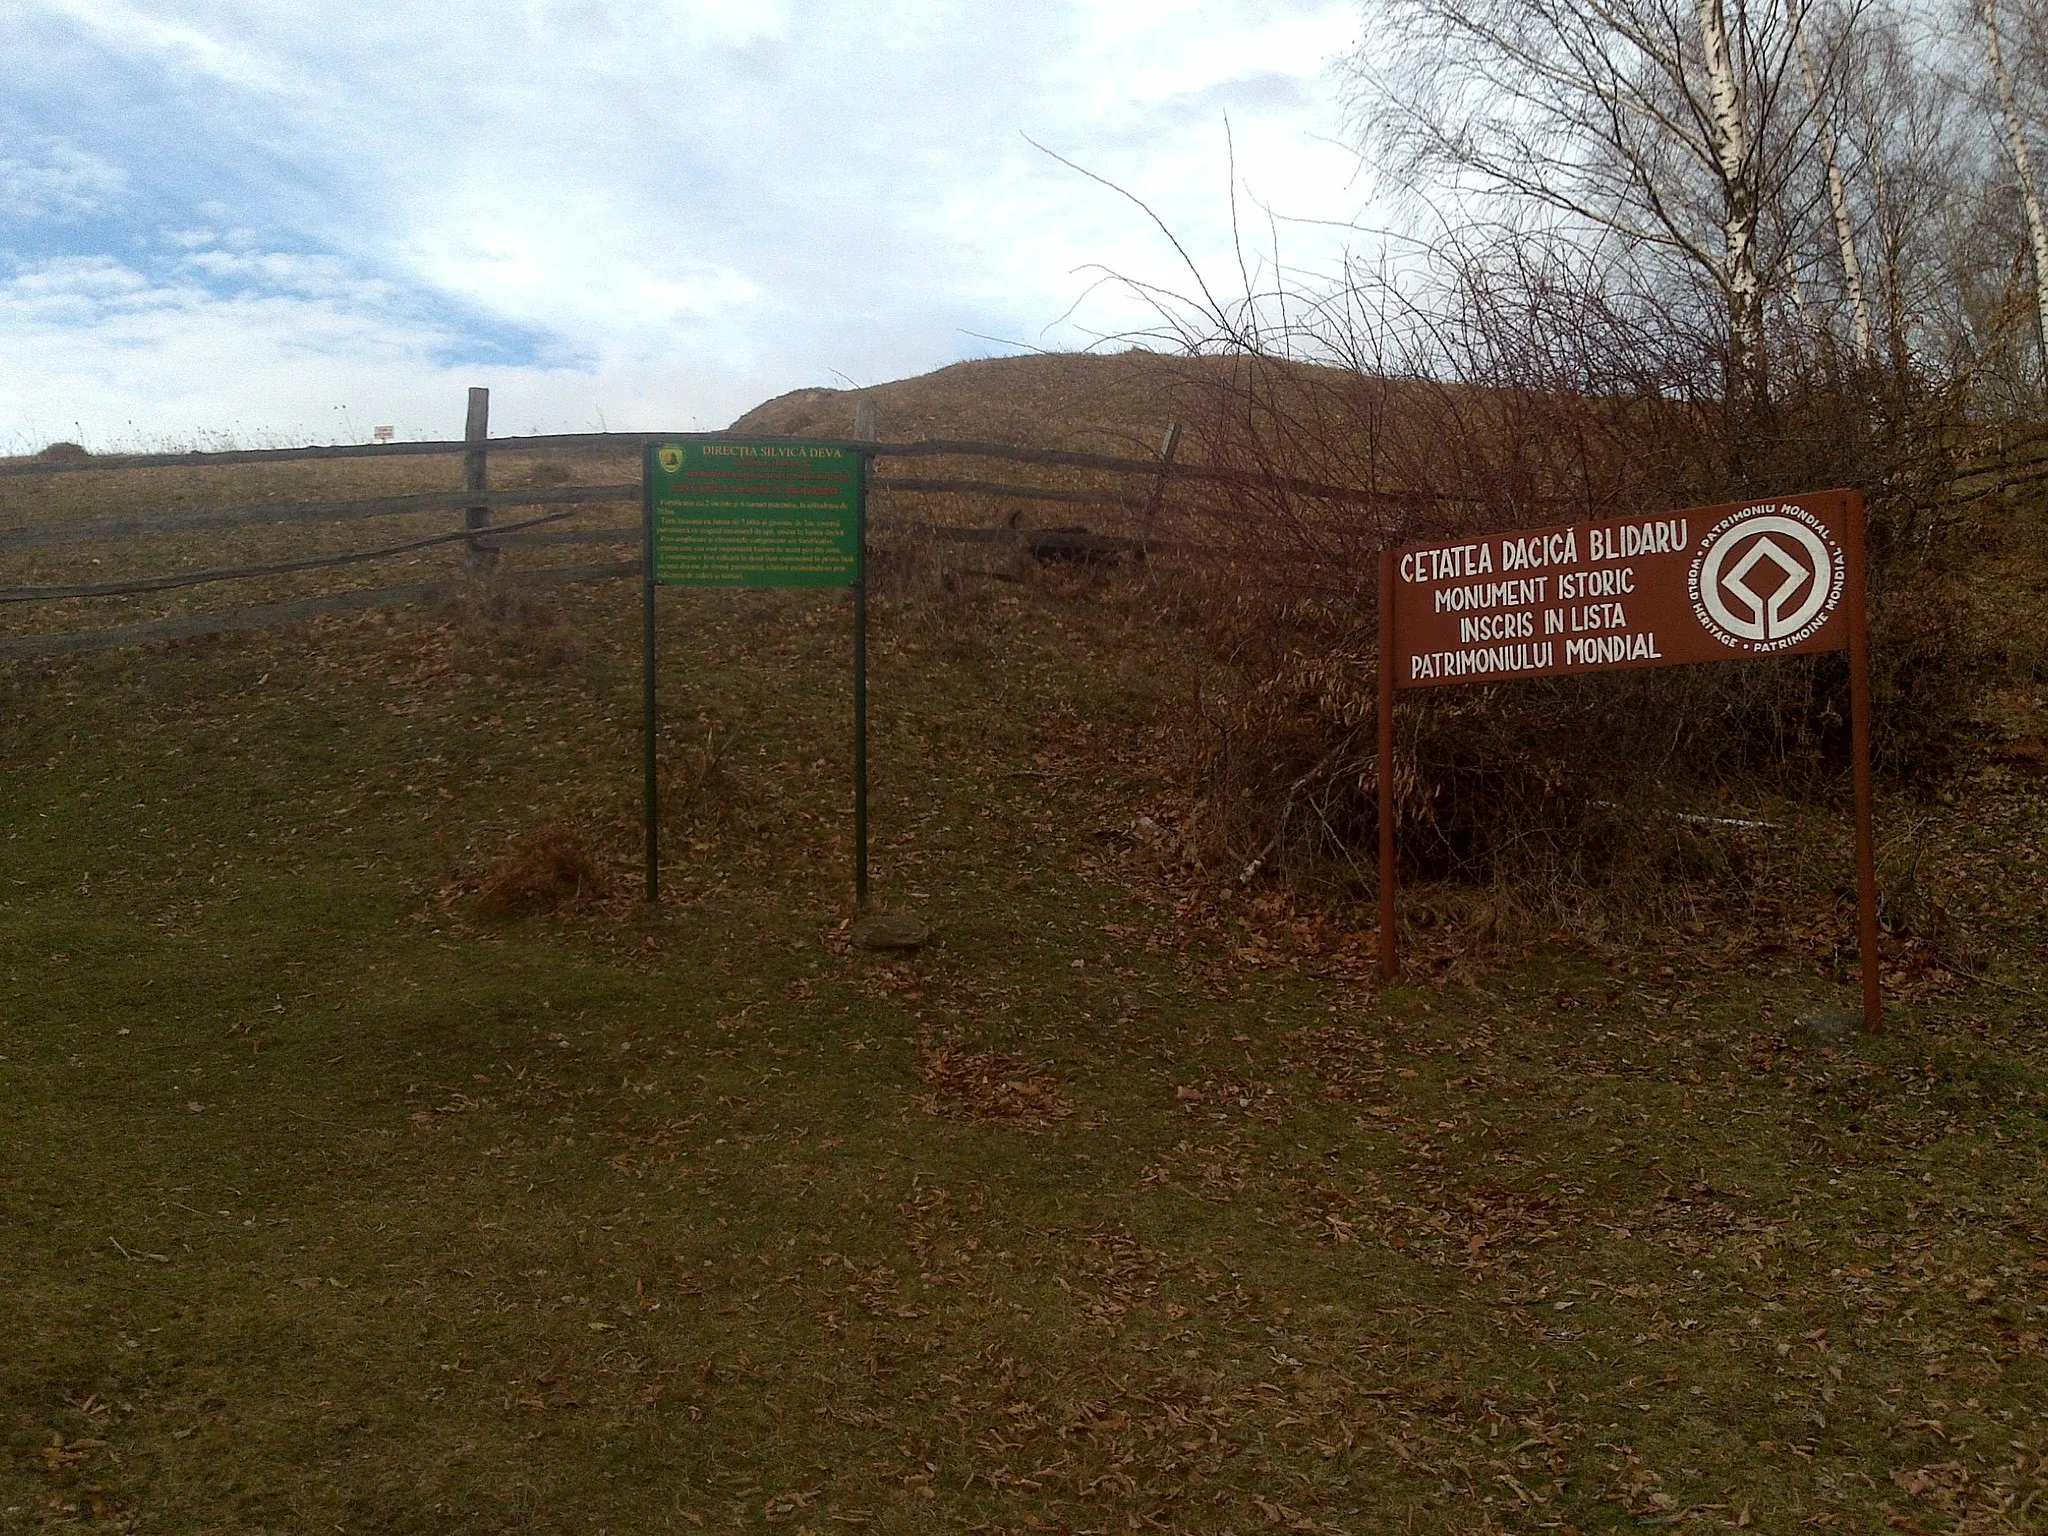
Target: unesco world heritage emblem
[[1766, 578]]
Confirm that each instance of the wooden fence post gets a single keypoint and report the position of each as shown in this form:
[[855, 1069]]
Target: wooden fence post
[[476, 431], [1167, 449], [866, 429]]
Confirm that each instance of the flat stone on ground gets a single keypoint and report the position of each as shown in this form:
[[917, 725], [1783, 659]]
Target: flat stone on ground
[[1828, 1026], [890, 930]]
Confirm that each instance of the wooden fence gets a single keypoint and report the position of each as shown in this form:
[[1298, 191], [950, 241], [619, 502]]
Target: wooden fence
[[480, 526], [1138, 488]]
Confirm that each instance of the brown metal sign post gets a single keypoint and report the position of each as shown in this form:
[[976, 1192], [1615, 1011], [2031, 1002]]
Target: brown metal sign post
[[1780, 577]]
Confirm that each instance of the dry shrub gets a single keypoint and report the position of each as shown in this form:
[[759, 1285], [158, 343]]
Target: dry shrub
[[546, 473], [63, 453], [924, 587], [511, 631], [548, 870], [1517, 392], [950, 594], [1915, 910], [983, 1085], [1550, 800], [696, 785]]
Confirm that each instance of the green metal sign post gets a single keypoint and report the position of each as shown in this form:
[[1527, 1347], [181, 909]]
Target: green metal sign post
[[717, 512]]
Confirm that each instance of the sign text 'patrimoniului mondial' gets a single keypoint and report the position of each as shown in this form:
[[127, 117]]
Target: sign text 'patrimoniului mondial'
[[1763, 578]]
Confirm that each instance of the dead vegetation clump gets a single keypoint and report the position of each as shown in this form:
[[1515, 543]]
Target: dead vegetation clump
[[1550, 402], [986, 1085], [698, 788], [546, 473], [510, 632], [549, 870]]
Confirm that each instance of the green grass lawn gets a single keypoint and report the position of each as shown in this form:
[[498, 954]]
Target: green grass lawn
[[326, 1206]]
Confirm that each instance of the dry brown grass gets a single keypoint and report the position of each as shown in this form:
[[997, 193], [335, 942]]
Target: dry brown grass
[[1115, 403], [29, 500], [550, 869], [986, 1085]]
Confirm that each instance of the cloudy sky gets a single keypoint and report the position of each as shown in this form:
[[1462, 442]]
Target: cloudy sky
[[288, 220]]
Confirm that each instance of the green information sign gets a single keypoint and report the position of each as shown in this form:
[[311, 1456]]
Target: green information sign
[[719, 512], [739, 514]]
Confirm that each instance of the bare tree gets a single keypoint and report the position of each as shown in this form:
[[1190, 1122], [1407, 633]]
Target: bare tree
[[1906, 152], [2016, 146], [1838, 191], [1665, 124], [1931, 203]]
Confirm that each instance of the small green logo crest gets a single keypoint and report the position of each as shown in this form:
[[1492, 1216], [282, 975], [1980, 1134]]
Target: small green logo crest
[[671, 459]]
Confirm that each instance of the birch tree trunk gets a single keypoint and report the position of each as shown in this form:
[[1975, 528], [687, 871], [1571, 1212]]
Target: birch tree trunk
[[1838, 193], [1891, 240], [1796, 294], [1740, 280], [2016, 141]]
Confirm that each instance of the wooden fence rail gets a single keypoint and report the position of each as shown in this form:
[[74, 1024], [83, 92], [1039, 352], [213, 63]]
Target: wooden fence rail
[[202, 460], [103, 529], [923, 449], [245, 572], [97, 530], [2024, 463], [270, 615], [484, 540], [1008, 492]]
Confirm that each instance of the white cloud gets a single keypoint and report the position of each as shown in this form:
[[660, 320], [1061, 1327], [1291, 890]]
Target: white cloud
[[137, 33], [98, 349], [573, 261], [665, 209], [64, 182]]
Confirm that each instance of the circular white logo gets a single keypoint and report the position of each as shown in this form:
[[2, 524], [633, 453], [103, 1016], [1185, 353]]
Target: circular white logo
[[1767, 578]]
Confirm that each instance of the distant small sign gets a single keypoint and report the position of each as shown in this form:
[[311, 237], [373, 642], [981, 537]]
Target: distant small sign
[[751, 514], [384, 434]]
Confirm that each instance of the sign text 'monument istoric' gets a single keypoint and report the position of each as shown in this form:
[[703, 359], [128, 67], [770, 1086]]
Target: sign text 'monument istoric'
[[1709, 584]]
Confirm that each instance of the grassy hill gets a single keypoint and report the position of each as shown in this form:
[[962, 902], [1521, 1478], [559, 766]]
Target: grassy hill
[[1111, 403], [1130, 1202]]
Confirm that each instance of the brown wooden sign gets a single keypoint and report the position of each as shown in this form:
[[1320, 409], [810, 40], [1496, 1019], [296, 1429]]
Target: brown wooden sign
[[1775, 577], [1764, 578]]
